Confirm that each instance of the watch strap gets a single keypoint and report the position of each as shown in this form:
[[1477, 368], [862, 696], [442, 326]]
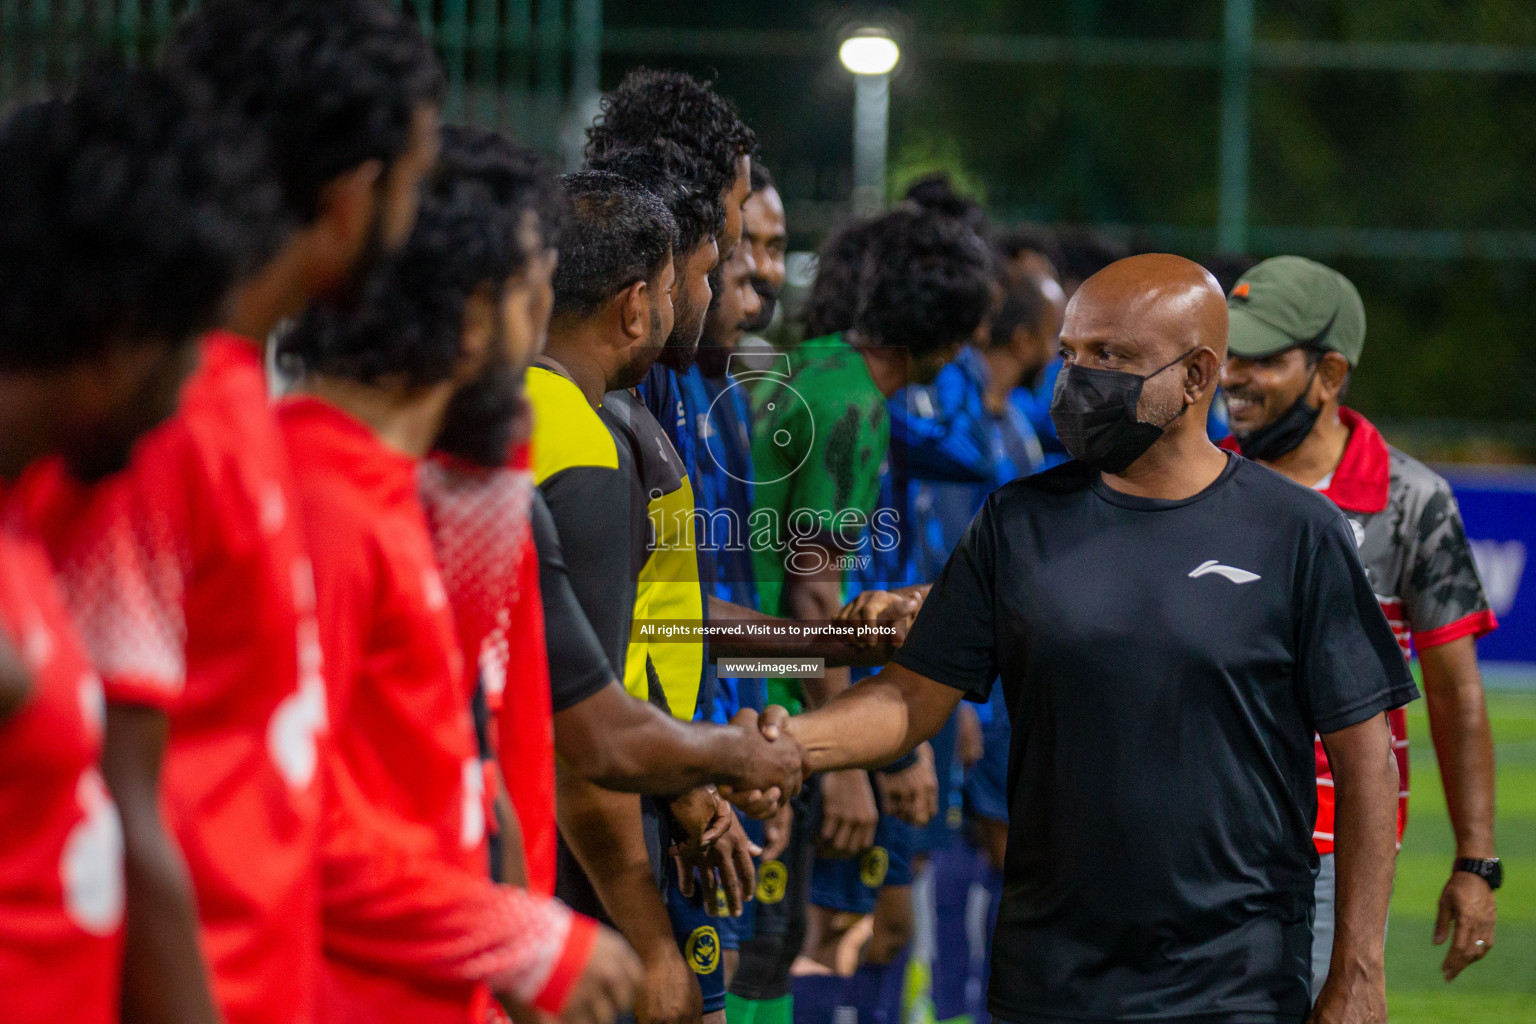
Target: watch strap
[[1489, 870]]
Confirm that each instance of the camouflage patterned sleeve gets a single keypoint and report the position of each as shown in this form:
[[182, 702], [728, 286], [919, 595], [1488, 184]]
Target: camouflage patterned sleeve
[[1443, 595]]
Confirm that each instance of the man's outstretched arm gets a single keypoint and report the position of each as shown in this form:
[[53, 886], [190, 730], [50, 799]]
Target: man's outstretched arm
[[872, 723], [1365, 845], [620, 743]]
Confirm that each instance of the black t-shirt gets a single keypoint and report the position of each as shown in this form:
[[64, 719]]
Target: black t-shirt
[[1165, 664], [578, 668]]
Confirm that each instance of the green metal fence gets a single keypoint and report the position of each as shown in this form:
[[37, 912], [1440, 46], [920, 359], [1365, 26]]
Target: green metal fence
[[511, 63], [533, 66]]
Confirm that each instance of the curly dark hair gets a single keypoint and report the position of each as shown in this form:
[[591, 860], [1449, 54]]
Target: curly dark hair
[[840, 264], [327, 86], [410, 322], [519, 176], [127, 212], [665, 169], [618, 233], [936, 193], [671, 105], [926, 283]]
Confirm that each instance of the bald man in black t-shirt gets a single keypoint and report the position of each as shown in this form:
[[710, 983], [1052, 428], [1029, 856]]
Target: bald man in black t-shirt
[[1170, 624]]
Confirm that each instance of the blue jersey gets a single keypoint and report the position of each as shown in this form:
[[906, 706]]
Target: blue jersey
[[951, 430], [1035, 405], [712, 420], [662, 393], [886, 557]]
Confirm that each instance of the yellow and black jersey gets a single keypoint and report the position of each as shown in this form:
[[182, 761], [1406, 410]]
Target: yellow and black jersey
[[668, 581], [589, 481]]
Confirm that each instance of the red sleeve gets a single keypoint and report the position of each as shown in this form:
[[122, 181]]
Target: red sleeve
[[389, 903], [526, 740], [123, 559], [1478, 624], [391, 909], [484, 543]]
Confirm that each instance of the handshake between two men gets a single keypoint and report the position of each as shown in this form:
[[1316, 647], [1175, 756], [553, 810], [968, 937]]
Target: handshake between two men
[[713, 851], [775, 764]]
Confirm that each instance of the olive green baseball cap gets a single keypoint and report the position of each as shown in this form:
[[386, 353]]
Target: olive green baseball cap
[[1289, 301]]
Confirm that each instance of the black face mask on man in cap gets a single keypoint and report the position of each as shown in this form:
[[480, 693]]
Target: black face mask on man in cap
[[1285, 434]]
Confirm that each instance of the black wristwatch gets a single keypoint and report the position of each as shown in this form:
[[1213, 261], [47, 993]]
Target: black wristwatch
[[1490, 870]]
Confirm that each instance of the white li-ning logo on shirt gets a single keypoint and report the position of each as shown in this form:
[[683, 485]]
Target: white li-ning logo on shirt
[[1228, 572]]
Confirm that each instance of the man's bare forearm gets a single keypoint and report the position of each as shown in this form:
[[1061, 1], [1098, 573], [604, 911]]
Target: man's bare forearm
[[605, 832], [1365, 843], [164, 978], [875, 722], [1458, 725], [621, 743]]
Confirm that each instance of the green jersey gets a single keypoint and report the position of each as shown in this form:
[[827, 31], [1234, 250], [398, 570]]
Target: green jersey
[[818, 440]]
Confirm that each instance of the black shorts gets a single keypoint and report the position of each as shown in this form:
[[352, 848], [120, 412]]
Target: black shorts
[[783, 893]]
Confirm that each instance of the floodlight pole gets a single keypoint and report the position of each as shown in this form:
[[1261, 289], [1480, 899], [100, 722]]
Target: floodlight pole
[[871, 134], [1236, 77]]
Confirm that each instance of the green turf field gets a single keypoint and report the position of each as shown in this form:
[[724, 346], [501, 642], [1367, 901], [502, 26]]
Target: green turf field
[[1502, 988]]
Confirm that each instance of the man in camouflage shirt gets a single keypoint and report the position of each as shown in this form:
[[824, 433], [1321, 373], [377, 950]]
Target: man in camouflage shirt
[[1297, 331]]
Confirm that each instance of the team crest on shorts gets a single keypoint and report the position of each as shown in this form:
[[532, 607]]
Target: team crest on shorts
[[873, 866], [703, 950], [772, 880], [722, 904]]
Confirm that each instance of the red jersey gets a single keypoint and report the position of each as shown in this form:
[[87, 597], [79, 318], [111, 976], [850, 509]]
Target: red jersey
[[61, 861], [1415, 552], [484, 542], [188, 578], [413, 926]]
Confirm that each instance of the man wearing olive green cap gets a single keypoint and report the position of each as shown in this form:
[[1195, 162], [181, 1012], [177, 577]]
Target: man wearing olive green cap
[[1297, 332]]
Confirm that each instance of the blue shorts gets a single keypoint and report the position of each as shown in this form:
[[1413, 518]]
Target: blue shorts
[[698, 936], [851, 884], [986, 784], [939, 833]]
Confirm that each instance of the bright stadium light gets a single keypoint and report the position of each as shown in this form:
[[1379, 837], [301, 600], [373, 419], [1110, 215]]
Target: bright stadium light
[[871, 54], [869, 51]]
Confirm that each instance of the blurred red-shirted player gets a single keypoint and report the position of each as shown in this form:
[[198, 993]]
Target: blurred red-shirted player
[[414, 928], [483, 536], [61, 865], [188, 575], [123, 224]]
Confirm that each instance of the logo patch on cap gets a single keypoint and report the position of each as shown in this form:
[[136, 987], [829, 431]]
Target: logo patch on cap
[[1241, 291]]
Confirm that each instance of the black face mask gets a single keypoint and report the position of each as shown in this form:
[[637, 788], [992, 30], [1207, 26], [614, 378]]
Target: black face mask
[[1285, 434], [1095, 415]]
